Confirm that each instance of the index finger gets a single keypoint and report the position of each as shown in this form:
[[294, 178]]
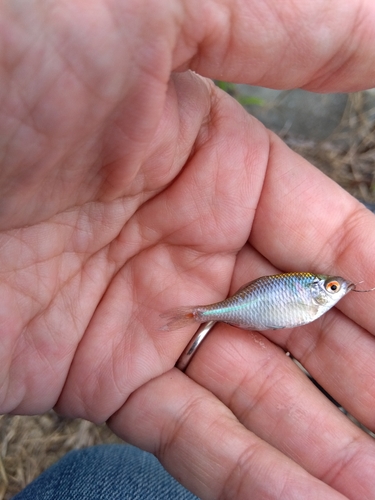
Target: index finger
[[306, 222]]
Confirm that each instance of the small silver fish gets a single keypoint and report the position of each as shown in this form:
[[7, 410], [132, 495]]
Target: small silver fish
[[269, 303]]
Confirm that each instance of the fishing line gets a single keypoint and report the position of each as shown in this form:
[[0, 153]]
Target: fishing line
[[362, 291]]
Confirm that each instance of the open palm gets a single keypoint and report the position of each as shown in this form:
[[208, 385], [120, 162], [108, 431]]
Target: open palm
[[125, 192]]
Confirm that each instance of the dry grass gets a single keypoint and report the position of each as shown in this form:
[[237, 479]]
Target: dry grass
[[30, 444], [347, 155]]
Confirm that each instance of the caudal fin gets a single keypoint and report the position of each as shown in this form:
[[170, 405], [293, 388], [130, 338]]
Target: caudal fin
[[178, 318]]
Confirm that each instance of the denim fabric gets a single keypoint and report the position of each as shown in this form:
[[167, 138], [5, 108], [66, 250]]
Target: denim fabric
[[106, 472]]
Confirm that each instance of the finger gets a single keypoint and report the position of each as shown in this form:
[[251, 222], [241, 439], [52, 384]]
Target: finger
[[272, 398], [304, 221], [203, 445], [337, 352], [266, 43], [98, 149]]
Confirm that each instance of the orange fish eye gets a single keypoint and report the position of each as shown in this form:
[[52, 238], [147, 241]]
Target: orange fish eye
[[333, 286]]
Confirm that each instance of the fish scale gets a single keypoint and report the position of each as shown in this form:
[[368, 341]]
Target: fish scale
[[269, 303]]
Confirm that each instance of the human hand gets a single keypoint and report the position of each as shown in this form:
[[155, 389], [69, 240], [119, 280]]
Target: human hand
[[125, 193]]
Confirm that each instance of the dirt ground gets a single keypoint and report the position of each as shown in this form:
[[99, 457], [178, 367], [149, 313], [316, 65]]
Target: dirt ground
[[348, 154], [29, 445]]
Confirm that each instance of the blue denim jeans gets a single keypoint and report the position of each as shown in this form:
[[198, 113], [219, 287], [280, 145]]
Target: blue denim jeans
[[106, 472]]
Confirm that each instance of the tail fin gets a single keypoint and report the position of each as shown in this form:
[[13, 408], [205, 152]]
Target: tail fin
[[178, 318]]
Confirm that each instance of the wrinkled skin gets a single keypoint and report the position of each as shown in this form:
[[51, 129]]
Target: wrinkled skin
[[127, 190]]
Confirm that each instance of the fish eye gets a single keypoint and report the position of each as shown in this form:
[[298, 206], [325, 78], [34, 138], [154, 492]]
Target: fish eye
[[333, 286]]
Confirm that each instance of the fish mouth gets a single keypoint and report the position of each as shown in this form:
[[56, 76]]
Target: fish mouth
[[351, 287]]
